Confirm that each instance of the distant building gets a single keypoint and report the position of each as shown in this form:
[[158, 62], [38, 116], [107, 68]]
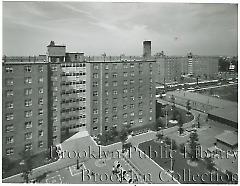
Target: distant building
[[173, 68]]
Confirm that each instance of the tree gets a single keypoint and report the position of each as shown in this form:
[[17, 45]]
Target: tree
[[175, 114], [168, 141], [193, 145], [188, 106], [159, 123], [182, 147], [159, 136], [123, 136], [26, 165], [173, 145], [180, 130], [126, 146], [198, 120], [210, 164], [173, 101]]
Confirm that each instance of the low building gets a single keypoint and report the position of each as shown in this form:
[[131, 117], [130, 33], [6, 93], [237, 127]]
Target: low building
[[227, 141]]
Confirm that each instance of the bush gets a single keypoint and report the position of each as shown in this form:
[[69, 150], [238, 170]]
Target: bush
[[168, 141]]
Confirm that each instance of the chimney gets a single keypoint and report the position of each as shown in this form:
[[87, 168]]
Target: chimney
[[146, 49]]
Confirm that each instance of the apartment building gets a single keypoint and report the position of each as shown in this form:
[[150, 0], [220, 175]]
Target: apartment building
[[120, 92], [171, 68], [25, 100]]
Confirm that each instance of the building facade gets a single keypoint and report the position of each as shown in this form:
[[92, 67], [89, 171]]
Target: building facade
[[120, 92]]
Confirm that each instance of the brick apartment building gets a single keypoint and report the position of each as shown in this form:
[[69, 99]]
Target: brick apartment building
[[47, 95]]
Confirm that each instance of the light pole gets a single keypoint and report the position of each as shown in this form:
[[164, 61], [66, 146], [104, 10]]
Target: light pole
[[166, 114]]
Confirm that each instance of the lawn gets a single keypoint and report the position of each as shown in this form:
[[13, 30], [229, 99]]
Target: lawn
[[182, 171]]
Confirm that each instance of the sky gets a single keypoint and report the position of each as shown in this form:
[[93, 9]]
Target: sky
[[120, 28]]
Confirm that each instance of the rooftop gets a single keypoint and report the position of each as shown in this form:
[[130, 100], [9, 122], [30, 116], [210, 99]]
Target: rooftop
[[228, 113], [228, 137]]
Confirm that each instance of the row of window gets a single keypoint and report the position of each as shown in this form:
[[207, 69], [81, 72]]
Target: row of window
[[114, 109], [73, 65], [115, 75], [73, 91], [72, 109], [27, 114], [9, 69], [27, 80], [115, 66], [72, 100], [73, 82], [73, 118], [73, 73], [115, 92]]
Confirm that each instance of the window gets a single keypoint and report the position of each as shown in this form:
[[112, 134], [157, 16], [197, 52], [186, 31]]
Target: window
[[140, 120], [115, 83], [28, 114], [55, 119], [150, 102], [9, 93], [140, 72], [28, 80], [132, 74], [125, 65], [40, 68], [9, 116], [115, 100], [40, 133], [131, 81], [125, 115], [54, 128], [150, 110], [40, 101], [106, 67], [132, 106], [150, 65], [28, 135], [95, 66], [140, 112], [28, 147], [140, 81], [131, 122], [9, 151], [9, 69], [125, 82], [124, 107], [54, 109], [9, 140], [125, 98], [106, 75], [140, 65], [55, 89], [131, 90], [106, 111], [40, 90], [9, 105], [28, 124], [28, 103], [106, 119], [140, 97], [54, 138], [114, 75], [95, 75], [106, 84], [114, 92], [106, 93], [125, 123], [106, 128], [40, 80], [115, 109], [95, 102], [95, 120], [95, 84], [125, 91], [9, 128], [94, 128], [114, 66], [54, 78], [54, 67], [55, 98], [40, 122], [115, 117], [132, 114], [150, 118], [28, 91], [125, 74], [132, 98], [151, 80], [27, 69], [95, 111], [40, 144], [9, 82], [40, 112]]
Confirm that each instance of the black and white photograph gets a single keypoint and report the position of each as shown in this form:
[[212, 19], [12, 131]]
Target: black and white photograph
[[119, 92]]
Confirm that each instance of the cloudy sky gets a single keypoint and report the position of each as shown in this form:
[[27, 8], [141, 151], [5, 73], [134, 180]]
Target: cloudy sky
[[117, 28]]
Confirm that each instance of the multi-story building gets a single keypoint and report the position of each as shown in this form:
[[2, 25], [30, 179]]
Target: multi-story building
[[120, 92], [172, 68], [25, 102], [45, 97]]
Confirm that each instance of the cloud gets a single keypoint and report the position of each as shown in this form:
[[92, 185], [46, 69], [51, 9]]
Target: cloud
[[121, 27]]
